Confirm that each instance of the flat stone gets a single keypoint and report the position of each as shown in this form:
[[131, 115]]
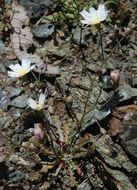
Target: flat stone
[[113, 154], [118, 180], [6, 121], [43, 31], [12, 91], [2, 47], [19, 102], [80, 35], [129, 139], [2, 68], [4, 99], [36, 8], [122, 94], [16, 176]]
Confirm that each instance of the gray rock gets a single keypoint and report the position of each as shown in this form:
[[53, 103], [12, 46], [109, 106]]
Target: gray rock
[[16, 176], [80, 35], [6, 121], [122, 94], [19, 102], [93, 116], [36, 8], [16, 113], [4, 99], [2, 187], [113, 154], [2, 68], [8, 2], [2, 47], [43, 31], [17, 139], [26, 187], [61, 50], [85, 185], [105, 82], [12, 91], [14, 158], [126, 92], [118, 180], [129, 140]]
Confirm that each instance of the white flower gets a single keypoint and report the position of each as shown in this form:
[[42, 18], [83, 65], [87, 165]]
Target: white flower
[[94, 17], [20, 70], [37, 105]]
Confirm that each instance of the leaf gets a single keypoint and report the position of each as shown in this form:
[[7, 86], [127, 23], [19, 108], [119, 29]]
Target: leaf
[[82, 153], [45, 168], [35, 141], [66, 132], [58, 170], [34, 176], [58, 125], [46, 150], [79, 171], [112, 2], [84, 140], [72, 179], [44, 186]]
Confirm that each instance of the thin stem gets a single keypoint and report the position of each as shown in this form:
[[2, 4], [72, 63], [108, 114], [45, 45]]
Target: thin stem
[[34, 76], [86, 102], [85, 113], [39, 76], [42, 113], [95, 105], [101, 44]]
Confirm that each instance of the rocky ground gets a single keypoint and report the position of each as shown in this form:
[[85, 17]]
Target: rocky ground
[[87, 137]]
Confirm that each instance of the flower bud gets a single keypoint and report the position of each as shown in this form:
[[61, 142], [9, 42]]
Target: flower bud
[[38, 131], [115, 76]]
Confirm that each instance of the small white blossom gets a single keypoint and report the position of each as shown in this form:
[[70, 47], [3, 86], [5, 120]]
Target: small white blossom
[[37, 105], [20, 70], [94, 17]]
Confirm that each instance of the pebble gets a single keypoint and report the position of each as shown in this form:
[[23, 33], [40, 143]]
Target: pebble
[[16, 176], [43, 31], [19, 102], [2, 47]]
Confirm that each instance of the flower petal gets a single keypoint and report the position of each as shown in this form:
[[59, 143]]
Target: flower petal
[[26, 64], [92, 11], [13, 74], [85, 14], [85, 22], [102, 12], [42, 99], [31, 68], [15, 67], [32, 103]]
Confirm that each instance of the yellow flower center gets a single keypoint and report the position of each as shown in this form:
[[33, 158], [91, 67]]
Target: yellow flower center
[[95, 19], [39, 107], [22, 72]]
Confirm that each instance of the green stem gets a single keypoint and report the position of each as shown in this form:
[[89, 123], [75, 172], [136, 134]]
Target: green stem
[[34, 76], [101, 44]]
